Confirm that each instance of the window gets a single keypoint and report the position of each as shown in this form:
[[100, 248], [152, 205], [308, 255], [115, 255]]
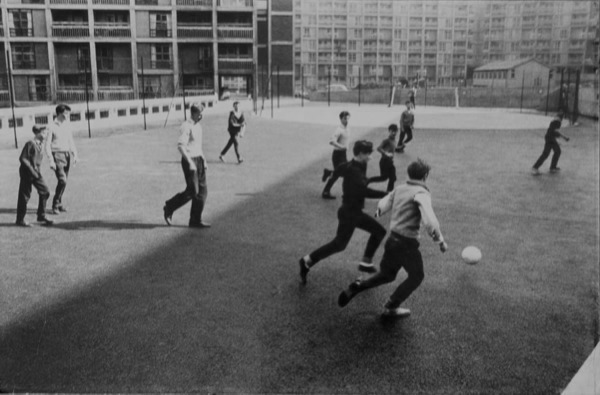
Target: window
[[160, 55], [512, 73], [23, 56], [20, 23], [104, 58], [160, 25], [38, 88]]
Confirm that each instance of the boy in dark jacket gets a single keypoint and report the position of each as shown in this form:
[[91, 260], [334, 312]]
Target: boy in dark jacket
[[387, 170], [552, 135], [30, 172], [350, 214]]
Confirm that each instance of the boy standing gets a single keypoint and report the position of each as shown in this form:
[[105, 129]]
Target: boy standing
[[31, 174], [407, 121], [552, 135], [194, 171], [350, 214], [386, 163], [339, 141], [410, 204], [62, 153]]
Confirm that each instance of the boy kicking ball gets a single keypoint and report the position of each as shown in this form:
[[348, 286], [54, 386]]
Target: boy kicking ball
[[410, 204]]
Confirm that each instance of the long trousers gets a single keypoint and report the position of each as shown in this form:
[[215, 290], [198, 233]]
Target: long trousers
[[549, 146], [338, 158], [350, 219], [400, 252], [63, 165], [195, 191], [405, 132], [27, 181], [232, 141], [387, 171]]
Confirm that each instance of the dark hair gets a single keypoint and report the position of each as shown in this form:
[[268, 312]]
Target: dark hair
[[418, 170], [344, 114], [393, 127], [196, 108], [37, 129], [62, 108], [236, 102], [362, 147], [408, 102]]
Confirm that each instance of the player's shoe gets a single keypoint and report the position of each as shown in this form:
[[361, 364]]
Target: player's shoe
[[58, 210], [167, 215], [535, 171], [44, 220], [327, 196], [397, 312], [347, 295], [326, 174], [554, 169], [367, 267], [303, 270], [221, 158], [240, 160], [400, 148], [200, 225], [23, 223]]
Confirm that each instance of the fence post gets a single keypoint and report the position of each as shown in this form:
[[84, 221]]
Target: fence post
[[329, 88], [522, 87], [12, 98], [576, 99], [144, 94], [359, 84], [271, 86], [87, 101], [183, 90], [302, 91], [560, 92], [277, 86], [548, 90]]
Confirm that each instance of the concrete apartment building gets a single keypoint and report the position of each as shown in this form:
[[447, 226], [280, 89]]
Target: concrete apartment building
[[57, 47], [443, 40]]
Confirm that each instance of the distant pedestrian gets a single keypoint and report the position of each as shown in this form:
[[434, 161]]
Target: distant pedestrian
[[411, 96], [236, 123], [350, 214], [410, 205], [551, 144], [407, 122], [339, 141], [62, 153], [31, 175], [193, 164], [387, 170]]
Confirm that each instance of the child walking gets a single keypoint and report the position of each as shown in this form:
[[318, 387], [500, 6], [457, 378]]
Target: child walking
[[407, 121], [31, 175], [551, 144], [350, 214], [235, 124], [410, 204], [387, 170]]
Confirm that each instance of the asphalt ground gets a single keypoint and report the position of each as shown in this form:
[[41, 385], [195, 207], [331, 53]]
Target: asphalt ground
[[110, 299]]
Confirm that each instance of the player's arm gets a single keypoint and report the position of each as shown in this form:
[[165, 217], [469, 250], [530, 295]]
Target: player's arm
[[335, 139], [184, 138], [562, 136], [48, 147], [385, 204], [73, 148], [432, 225]]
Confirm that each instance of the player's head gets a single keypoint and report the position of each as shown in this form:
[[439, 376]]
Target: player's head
[[236, 104], [62, 109], [408, 104], [196, 111], [393, 129], [344, 117], [38, 131], [418, 170], [362, 150]]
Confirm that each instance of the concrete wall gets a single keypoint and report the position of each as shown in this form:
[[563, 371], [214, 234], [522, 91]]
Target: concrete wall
[[41, 56], [142, 23], [39, 23], [282, 28]]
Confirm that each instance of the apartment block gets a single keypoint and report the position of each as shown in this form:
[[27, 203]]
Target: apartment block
[[123, 49]]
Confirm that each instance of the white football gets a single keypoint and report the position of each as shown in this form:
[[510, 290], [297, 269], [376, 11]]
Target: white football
[[471, 255]]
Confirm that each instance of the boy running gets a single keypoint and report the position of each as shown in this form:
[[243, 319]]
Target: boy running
[[407, 121], [410, 204], [552, 135], [350, 214], [31, 174], [339, 141], [387, 169]]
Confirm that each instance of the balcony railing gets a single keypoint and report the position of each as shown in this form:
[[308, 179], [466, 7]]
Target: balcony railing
[[70, 29], [71, 2], [235, 32], [160, 32], [235, 3], [146, 2], [161, 64], [115, 93], [71, 94], [104, 64], [235, 64], [23, 64], [21, 32], [112, 29], [1, 31], [196, 3], [190, 30], [198, 91], [111, 2]]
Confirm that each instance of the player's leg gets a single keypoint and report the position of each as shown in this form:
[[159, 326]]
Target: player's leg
[[44, 194], [199, 197], [227, 146], [377, 234], [339, 159], [391, 174], [543, 157], [382, 172], [62, 161], [409, 135], [185, 196], [412, 262], [555, 157], [24, 195]]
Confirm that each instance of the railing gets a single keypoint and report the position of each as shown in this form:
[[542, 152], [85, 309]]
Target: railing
[[116, 93], [201, 3], [235, 3], [70, 29], [235, 63], [4, 96], [71, 94], [162, 32], [198, 91], [189, 30], [161, 64], [112, 29], [68, 2], [23, 64], [111, 2], [146, 2], [235, 32], [104, 64], [21, 32]]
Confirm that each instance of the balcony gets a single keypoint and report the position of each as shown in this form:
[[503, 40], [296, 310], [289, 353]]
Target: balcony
[[235, 3], [1, 31], [235, 64], [161, 32], [111, 2], [70, 29], [21, 32], [193, 91], [115, 93], [195, 3], [235, 32], [4, 95], [161, 64], [112, 29], [69, 2], [191, 30], [146, 2], [71, 94], [104, 64]]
